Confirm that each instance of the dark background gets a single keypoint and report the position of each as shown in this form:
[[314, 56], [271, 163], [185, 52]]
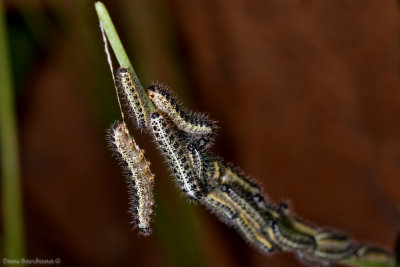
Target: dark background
[[307, 93]]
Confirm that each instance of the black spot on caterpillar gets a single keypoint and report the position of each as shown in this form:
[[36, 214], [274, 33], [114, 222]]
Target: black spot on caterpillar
[[128, 88], [195, 124], [288, 239], [141, 180], [175, 153]]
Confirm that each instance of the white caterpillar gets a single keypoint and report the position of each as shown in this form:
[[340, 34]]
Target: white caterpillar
[[175, 153]]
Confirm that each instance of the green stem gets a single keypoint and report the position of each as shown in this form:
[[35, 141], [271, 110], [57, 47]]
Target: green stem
[[14, 245], [119, 50]]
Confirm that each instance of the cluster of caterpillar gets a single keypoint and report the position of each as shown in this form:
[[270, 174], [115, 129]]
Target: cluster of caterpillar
[[270, 227], [234, 198], [175, 153], [140, 179], [184, 139]]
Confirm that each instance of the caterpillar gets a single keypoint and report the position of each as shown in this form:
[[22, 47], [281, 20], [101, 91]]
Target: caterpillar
[[214, 170], [333, 246], [128, 88], [332, 255], [219, 205], [253, 235], [331, 241], [194, 124], [367, 254], [288, 239], [232, 214], [201, 164], [243, 206], [140, 179], [283, 213], [236, 178], [175, 153]]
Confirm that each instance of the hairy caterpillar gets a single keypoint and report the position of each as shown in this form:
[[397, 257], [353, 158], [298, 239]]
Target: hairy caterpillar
[[332, 241], [141, 180], [238, 179], [248, 222], [201, 162], [128, 88], [283, 213], [243, 206], [333, 246], [194, 124], [332, 255], [229, 212], [287, 239], [175, 153], [252, 234], [218, 205]]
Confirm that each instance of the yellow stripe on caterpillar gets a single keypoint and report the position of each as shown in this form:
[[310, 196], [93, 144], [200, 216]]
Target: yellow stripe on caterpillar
[[193, 124], [243, 206], [253, 235], [236, 178], [288, 239], [219, 205], [135, 102]]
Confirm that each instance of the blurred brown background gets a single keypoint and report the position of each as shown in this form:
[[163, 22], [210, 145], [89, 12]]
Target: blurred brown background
[[307, 93]]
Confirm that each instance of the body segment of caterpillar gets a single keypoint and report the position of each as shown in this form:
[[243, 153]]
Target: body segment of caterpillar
[[140, 179], [244, 206], [230, 208], [236, 178], [128, 88], [333, 246], [288, 239], [252, 234], [175, 153], [220, 206], [196, 125]]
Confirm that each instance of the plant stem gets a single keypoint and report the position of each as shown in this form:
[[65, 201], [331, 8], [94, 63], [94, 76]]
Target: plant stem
[[119, 50], [14, 245]]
